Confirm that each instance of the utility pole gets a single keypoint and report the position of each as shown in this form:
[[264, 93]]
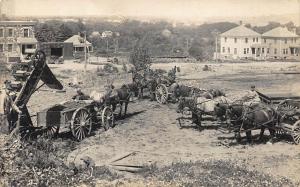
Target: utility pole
[[85, 55]]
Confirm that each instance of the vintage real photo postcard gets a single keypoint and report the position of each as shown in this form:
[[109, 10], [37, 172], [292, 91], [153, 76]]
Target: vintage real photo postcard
[[151, 93]]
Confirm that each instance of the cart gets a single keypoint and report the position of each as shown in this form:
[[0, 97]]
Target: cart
[[78, 116]]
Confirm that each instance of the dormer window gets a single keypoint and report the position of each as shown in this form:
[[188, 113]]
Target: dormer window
[[225, 39], [235, 40], [246, 40]]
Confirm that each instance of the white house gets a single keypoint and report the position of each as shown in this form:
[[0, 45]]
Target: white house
[[280, 43], [236, 43], [244, 43]]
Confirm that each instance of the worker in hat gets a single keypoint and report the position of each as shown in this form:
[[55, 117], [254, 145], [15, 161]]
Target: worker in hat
[[252, 98], [9, 110]]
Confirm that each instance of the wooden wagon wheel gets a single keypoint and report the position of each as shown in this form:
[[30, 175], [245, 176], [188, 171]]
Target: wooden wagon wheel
[[285, 108], [296, 132], [161, 94], [51, 131], [81, 124], [108, 119]]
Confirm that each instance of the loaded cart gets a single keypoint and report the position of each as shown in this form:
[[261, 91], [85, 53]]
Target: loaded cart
[[78, 116]]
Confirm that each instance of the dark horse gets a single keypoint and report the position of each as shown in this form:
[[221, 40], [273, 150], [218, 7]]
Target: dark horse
[[123, 97], [145, 80], [245, 119], [189, 91]]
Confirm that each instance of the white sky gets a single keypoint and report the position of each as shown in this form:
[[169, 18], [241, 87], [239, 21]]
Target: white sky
[[170, 9]]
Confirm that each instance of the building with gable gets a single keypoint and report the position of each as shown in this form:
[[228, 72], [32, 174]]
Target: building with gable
[[244, 43]]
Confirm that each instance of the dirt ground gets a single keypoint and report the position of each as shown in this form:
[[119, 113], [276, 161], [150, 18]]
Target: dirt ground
[[150, 133]]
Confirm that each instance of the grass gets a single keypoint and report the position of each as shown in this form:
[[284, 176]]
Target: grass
[[213, 173], [42, 163]]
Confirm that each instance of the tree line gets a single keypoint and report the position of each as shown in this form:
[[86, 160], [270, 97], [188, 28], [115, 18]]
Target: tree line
[[160, 38]]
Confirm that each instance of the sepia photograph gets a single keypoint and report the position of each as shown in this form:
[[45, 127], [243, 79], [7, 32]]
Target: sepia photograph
[[149, 93]]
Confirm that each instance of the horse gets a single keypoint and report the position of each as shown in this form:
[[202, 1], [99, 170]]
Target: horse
[[244, 118], [123, 97], [148, 81], [199, 106]]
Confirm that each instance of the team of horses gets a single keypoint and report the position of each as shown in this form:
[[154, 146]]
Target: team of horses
[[238, 117]]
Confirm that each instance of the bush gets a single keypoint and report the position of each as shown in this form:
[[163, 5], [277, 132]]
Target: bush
[[109, 68]]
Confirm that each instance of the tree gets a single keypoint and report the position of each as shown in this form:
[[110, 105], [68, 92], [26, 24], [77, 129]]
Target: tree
[[63, 33], [44, 33], [140, 58]]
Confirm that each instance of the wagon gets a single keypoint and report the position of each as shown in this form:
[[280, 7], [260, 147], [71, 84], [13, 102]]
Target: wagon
[[287, 107], [289, 119], [78, 116]]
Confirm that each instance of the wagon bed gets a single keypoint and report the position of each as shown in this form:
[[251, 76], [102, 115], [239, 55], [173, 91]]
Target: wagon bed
[[79, 116], [276, 98]]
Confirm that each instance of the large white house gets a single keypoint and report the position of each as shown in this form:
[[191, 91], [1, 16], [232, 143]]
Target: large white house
[[236, 43], [244, 43]]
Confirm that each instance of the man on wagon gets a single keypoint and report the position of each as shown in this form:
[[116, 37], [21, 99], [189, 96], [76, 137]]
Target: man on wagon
[[252, 98]]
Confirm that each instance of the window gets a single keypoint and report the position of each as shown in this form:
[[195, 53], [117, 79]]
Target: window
[[1, 47], [223, 49], [10, 47], [268, 50], [228, 49], [246, 40], [295, 40], [225, 39], [275, 41], [245, 51], [286, 51], [256, 39], [26, 33], [263, 50], [285, 41], [253, 39], [275, 51], [235, 40], [1, 32], [10, 32], [265, 40], [235, 51]]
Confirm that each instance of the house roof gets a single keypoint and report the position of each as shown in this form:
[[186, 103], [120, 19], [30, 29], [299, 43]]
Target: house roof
[[77, 41], [22, 40], [282, 32], [240, 30], [14, 23]]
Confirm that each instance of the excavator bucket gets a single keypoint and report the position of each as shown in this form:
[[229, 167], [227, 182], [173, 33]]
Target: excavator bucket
[[49, 79]]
